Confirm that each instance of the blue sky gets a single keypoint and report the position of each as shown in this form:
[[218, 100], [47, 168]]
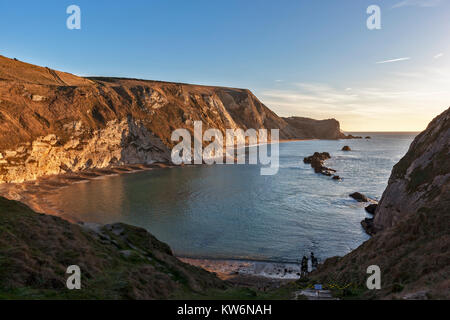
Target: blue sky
[[303, 57]]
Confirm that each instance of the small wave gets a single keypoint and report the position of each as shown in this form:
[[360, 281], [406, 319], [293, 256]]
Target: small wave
[[267, 269]]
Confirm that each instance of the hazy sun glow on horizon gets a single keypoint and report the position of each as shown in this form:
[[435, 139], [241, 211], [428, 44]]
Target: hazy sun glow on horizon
[[408, 103], [397, 101]]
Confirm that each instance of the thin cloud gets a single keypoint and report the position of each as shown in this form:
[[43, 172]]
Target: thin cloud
[[394, 60], [439, 55], [378, 106], [417, 3]]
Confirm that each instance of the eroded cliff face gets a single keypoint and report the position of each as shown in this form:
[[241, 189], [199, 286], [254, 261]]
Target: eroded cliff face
[[53, 122], [421, 180], [315, 129], [120, 142]]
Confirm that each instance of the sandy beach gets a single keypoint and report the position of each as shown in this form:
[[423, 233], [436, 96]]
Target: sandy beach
[[35, 193]]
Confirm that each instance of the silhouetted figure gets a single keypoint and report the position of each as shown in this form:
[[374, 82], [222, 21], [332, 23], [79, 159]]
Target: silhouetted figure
[[304, 266], [314, 262]]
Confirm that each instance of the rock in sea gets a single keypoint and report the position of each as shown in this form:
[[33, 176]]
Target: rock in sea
[[371, 208], [368, 226], [359, 197], [316, 161]]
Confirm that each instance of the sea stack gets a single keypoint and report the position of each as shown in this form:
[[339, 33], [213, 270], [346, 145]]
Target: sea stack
[[359, 197], [317, 160]]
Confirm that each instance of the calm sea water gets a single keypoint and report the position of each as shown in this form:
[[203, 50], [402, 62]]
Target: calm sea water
[[232, 212]]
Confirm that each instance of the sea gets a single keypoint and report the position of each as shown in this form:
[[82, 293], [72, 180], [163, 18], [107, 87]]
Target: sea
[[232, 212]]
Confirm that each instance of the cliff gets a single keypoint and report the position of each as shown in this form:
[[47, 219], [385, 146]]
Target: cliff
[[412, 242], [53, 122], [421, 180], [315, 129]]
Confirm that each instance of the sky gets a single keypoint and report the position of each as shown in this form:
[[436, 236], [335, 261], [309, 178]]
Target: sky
[[301, 58]]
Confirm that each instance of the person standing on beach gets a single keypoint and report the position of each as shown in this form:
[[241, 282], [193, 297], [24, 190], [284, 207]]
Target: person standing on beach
[[304, 266], [314, 262]]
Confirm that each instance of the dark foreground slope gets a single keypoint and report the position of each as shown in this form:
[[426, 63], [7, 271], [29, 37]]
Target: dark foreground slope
[[412, 245], [117, 261]]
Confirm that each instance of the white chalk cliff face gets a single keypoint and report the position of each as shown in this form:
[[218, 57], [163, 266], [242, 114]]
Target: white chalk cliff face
[[421, 180], [121, 142]]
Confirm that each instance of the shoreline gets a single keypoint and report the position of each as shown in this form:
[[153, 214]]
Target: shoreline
[[33, 193], [229, 268], [261, 275]]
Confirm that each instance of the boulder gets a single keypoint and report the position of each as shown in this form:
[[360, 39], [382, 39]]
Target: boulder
[[346, 148], [368, 226], [317, 156], [359, 197], [371, 208]]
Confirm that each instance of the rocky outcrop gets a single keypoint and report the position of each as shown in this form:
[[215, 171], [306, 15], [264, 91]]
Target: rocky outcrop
[[53, 122], [368, 223], [421, 180], [359, 197], [368, 227], [371, 208], [352, 137], [317, 163]]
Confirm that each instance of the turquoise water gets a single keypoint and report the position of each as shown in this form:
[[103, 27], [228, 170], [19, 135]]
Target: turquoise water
[[232, 212]]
